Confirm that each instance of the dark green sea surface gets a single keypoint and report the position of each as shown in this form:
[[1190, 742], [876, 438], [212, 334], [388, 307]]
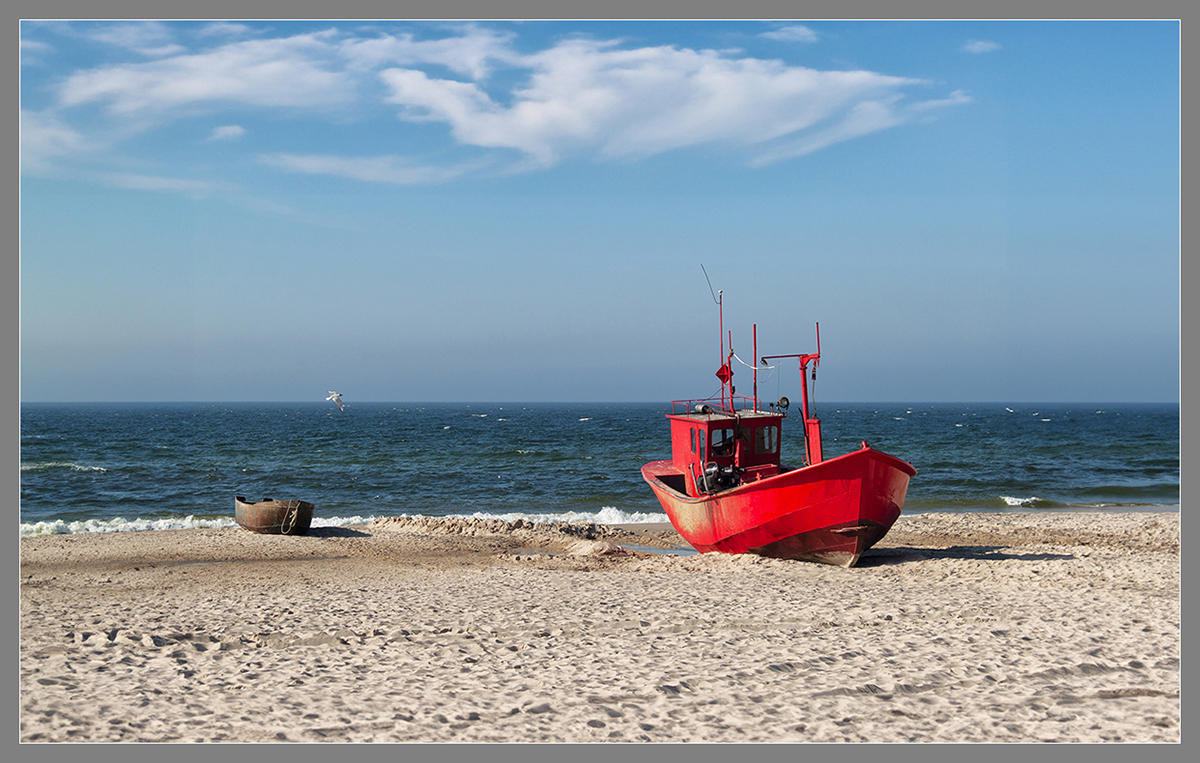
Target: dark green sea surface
[[108, 467]]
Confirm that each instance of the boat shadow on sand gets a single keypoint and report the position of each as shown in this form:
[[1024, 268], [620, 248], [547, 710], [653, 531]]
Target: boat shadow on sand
[[904, 554], [336, 532]]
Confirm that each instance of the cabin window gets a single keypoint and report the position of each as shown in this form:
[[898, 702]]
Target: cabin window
[[722, 442], [766, 440], [693, 439]]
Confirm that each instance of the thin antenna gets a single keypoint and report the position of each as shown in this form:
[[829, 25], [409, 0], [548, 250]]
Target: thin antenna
[[710, 288]]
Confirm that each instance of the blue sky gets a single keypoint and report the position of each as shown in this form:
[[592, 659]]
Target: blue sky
[[495, 211]]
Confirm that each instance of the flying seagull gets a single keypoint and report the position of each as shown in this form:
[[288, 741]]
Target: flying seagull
[[335, 397]]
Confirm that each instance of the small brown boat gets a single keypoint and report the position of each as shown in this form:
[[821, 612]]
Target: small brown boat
[[273, 517]]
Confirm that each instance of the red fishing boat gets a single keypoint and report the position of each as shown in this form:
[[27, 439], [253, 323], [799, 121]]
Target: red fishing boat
[[724, 487]]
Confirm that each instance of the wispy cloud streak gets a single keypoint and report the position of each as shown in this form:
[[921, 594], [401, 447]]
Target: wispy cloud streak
[[156, 183], [44, 137], [291, 71], [376, 169], [979, 46], [227, 132], [791, 33]]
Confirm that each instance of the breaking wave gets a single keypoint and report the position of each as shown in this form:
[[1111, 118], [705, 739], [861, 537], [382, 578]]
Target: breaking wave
[[1030, 501], [45, 465], [606, 516]]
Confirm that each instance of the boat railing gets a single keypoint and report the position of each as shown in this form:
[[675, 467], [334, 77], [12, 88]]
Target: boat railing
[[716, 404]]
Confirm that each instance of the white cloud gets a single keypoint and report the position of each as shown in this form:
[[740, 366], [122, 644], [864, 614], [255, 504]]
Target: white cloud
[[223, 28], [150, 38], [29, 50], [290, 71], [157, 183], [227, 132], [979, 46], [864, 118], [792, 33], [374, 169], [577, 97], [472, 54], [592, 97], [43, 137], [956, 98]]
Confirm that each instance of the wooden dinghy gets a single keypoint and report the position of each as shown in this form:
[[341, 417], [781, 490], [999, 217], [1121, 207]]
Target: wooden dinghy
[[273, 517]]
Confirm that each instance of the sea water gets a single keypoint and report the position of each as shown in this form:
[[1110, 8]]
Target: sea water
[[128, 467]]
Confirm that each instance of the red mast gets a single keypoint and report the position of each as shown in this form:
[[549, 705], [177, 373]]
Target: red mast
[[755, 366], [812, 427], [725, 372]]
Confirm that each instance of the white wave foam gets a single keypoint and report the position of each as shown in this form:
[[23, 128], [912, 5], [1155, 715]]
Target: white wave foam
[[1020, 501], [606, 516], [341, 521], [60, 465], [120, 525]]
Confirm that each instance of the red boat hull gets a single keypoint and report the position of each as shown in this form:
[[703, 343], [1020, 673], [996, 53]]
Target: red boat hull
[[830, 512]]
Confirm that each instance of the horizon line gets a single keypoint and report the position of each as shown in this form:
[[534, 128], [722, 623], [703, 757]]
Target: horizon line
[[585, 402]]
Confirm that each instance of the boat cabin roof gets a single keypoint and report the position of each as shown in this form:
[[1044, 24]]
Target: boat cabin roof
[[716, 416]]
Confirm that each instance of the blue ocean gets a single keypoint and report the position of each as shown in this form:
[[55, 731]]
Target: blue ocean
[[127, 467]]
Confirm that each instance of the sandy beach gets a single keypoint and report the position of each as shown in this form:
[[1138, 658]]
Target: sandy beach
[[1021, 627]]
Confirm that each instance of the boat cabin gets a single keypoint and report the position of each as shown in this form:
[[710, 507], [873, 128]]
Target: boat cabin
[[717, 449]]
